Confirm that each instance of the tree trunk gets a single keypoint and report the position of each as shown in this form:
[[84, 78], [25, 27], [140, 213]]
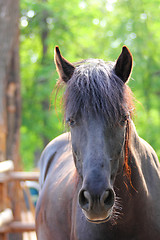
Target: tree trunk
[[9, 81], [45, 102], [44, 35]]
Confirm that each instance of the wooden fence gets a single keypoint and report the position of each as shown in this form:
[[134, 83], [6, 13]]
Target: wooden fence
[[15, 217]]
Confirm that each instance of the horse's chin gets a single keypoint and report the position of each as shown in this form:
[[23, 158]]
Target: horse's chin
[[98, 220]]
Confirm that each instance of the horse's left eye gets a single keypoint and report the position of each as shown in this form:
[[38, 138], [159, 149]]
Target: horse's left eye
[[71, 122], [123, 120]]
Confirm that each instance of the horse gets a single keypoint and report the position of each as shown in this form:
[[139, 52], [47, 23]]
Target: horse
[[99, 180]]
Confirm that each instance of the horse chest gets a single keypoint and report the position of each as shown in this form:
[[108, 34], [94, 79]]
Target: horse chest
[[111, 233], [135, 230], [85, 230]]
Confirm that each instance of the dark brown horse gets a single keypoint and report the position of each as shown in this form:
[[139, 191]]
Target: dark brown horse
[[101, 181]]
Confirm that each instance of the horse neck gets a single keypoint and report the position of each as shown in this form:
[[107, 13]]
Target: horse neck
[[143, 163], [143, 155]]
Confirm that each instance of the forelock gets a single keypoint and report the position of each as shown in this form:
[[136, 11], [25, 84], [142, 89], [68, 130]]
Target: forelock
[[94, 87]]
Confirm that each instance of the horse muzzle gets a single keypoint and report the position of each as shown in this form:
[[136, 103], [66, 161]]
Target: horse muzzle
[[97, 208]]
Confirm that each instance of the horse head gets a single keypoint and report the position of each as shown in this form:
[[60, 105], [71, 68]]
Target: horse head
[[97, 109]]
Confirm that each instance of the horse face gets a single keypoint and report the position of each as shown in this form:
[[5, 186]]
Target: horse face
[[95, 89], [98, 155]]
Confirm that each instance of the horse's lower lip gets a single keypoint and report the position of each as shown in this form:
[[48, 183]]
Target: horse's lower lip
[[99, 221]]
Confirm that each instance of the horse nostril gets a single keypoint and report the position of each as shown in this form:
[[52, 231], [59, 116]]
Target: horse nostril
[[85, 200], [107, 198]]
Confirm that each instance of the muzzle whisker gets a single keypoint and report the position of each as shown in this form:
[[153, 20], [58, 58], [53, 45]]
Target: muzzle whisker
[[117, 211]]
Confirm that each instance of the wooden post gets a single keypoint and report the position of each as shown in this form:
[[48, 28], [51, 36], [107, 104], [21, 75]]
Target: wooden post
[[8, 223], [6, 216], [9, 81], [9, 88]]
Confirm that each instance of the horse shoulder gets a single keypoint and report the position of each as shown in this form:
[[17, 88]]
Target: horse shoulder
[[151, 154], [54, 208], [49, 154], [151, 172], [58, 177]]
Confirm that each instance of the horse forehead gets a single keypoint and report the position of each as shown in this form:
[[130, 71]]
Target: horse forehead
[[94, 66], [98, 132], [92, 62], [96, 126]]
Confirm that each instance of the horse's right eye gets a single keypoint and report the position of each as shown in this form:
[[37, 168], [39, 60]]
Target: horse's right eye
[[123, 120], [71, 122]]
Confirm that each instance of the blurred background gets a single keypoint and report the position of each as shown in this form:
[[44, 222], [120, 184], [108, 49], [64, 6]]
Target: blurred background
[[29, 31], [83, 29]]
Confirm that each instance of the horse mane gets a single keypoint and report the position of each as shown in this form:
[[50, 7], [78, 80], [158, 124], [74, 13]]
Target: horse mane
[[94, 86]]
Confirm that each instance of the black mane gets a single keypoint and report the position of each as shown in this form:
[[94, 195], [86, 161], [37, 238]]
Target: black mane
[[95, 87]]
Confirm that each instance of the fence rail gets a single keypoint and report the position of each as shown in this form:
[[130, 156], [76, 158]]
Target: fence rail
[[17, 226], [8, 221], [19, 176]]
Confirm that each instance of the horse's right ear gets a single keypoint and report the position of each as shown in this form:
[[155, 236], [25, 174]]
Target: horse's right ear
[[123, 67], [65, 69]]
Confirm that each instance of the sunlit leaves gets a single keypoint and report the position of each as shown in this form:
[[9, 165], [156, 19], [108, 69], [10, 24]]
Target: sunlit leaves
[[86, 29]]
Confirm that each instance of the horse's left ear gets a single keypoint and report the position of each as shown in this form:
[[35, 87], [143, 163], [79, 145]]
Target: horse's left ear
[[123, 67], [65, 69]]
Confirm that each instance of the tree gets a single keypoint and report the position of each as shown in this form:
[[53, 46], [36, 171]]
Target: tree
[[86, 29], [9, 81]]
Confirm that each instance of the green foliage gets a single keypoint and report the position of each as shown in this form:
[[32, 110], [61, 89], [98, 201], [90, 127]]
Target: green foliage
[[86, 29]]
